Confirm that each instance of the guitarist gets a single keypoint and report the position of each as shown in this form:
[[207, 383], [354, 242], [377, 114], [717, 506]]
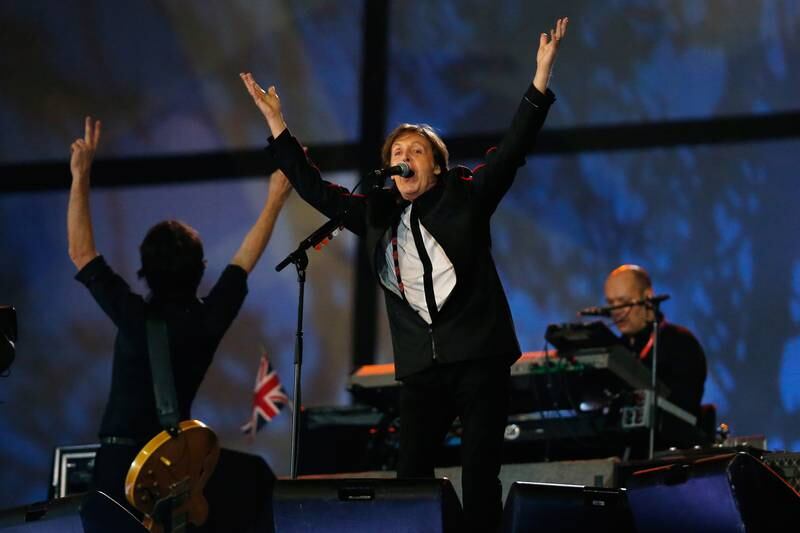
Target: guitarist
[[172, 265]]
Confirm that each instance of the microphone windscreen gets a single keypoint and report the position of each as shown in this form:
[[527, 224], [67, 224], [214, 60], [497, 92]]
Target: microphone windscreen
[[405, 170]]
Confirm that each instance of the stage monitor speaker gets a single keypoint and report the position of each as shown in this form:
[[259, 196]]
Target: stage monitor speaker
[[728, 492], [357, 434], [350, 505], [565, 508], [786, 465], [239, 494], [93, 512]]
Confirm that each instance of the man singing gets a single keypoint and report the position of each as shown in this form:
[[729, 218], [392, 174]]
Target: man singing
[[428, 239]]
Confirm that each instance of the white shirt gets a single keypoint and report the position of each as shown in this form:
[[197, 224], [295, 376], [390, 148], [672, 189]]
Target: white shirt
[[411, 269]]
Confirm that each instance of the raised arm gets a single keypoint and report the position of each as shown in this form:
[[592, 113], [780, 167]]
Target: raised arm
[[492, 180], [334, 201], [257, 238], [546, 55], [79, 219], [267, 102]]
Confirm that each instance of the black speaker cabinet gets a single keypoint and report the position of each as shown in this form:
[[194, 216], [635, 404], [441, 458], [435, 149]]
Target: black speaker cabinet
[[565, 508], [239, 494], [344, 439], [786, 465], [351, 505], [729, 492], [93, 512]]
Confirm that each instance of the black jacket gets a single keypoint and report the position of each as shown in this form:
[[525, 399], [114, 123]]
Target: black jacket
[[681, 363], [475, 321]]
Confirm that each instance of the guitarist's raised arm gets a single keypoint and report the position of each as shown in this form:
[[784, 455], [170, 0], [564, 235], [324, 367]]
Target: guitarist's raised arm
[[257, 238], [80, 235]]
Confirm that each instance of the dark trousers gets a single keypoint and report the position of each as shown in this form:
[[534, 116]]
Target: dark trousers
[[477, 392]]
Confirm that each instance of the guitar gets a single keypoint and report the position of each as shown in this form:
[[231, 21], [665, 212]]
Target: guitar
[[167, 477]]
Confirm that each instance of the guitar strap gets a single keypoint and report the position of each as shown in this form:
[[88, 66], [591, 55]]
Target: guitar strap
[[161, 369]]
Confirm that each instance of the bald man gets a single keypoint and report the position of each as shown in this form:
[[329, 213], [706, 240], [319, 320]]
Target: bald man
[[681, 360]]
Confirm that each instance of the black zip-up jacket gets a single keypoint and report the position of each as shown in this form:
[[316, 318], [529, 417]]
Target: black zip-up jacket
[[475, 321]]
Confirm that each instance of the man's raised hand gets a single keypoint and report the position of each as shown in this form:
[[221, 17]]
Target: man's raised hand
[[546, 55], [83, 149], [267, 102]]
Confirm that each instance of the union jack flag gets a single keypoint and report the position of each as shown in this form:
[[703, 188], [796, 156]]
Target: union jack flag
[[268, 398]]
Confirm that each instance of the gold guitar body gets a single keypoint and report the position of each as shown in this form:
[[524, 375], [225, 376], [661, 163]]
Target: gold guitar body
[[171, 473]]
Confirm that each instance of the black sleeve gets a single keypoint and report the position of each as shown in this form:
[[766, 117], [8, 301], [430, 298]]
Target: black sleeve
[[688, 371], [111, 292], [225, 299], [493, 179], [328, 198]]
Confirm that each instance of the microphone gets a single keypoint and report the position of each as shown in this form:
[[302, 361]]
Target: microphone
[[401, 169], [650, 301], [657, 299], [595, 311]]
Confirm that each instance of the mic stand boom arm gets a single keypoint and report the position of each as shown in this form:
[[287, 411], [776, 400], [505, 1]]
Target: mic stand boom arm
[[325, 232]]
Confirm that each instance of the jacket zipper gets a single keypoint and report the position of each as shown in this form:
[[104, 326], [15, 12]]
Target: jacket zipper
[[433, 343]]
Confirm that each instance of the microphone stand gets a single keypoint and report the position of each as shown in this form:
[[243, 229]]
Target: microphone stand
[[300, 260], [654, 304]]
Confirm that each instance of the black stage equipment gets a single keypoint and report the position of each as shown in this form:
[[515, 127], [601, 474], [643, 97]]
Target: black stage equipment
[[93, 512], [239, 494], [727, 492], [565, 508], [8, 336], [569, 338], [348, 505]]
